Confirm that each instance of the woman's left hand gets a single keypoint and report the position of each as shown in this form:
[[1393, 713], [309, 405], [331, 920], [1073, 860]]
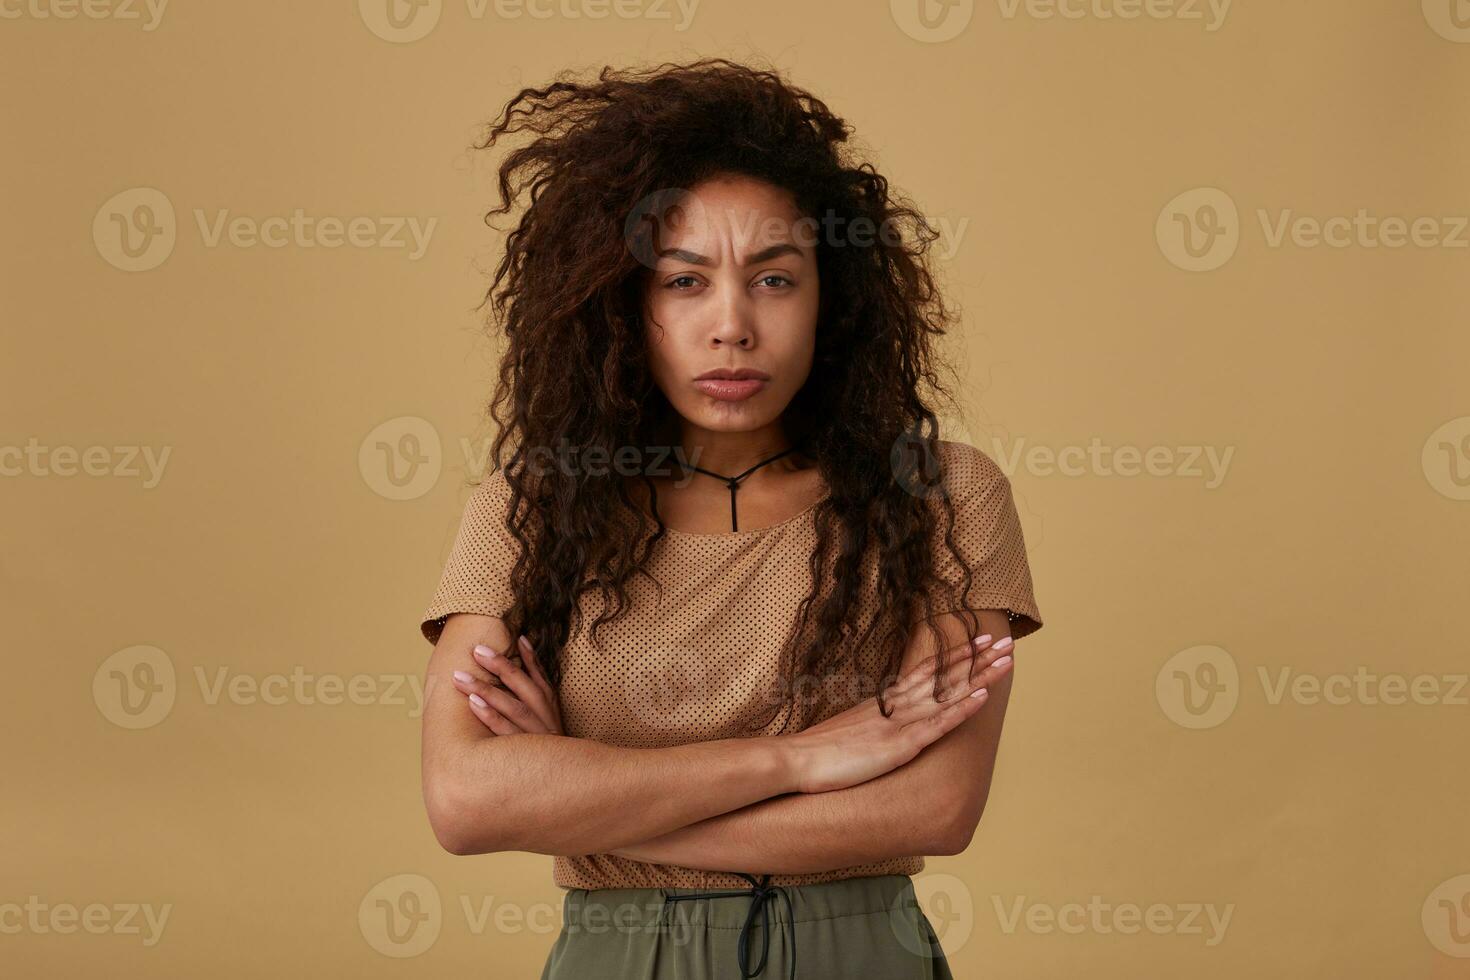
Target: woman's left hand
[[508, 699]]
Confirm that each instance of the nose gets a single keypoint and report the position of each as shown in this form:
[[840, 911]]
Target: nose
[[733, 324]]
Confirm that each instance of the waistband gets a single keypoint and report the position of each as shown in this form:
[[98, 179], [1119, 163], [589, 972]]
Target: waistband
[[756, 911]]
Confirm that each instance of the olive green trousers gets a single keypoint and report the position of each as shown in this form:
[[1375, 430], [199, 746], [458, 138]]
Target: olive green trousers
[[852, 929]]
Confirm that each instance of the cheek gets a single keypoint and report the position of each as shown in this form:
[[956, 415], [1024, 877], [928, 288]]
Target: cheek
[[667, 361], [796, 339]]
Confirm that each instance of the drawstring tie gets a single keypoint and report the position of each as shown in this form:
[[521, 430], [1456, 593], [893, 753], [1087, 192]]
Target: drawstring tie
[[759, 893]]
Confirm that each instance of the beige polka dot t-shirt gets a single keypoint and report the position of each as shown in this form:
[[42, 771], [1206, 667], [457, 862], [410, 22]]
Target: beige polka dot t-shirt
[[702, 662]]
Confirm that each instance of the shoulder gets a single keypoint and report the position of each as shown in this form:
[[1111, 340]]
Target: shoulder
[[967, 472], [491, 493], [487, 506]]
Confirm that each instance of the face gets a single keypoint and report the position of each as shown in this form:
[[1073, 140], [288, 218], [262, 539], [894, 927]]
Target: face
[[734, 289]]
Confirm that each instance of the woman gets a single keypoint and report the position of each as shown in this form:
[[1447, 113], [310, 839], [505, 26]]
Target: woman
[[747, 618]]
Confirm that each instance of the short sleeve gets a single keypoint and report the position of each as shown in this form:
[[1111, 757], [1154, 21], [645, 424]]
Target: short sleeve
[[477, 575], [987, 533]]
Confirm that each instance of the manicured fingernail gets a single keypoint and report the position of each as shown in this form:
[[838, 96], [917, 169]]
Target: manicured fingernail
[[982, 638], [463, 677], [1001, 662], [525, 644], [478, 700], [978, 694], [486, 652], [1002, 643]]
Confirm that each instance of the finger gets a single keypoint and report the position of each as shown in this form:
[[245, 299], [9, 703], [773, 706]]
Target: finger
[[919, 698], [526, 690], [970, 672], [962, 652], [491, 718], [481, 666], [472, 667], [931, 729], [528, 656], [502, 701], [978, 672], [477, 682], [514, 710], [955, 666]]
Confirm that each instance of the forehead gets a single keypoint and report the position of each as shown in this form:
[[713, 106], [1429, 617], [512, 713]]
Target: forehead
[[737, 211]]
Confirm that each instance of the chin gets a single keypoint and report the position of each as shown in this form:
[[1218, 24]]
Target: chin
[[718, 416], [731, 418]]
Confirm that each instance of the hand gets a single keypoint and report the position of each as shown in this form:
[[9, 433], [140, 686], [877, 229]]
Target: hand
[[860, 744], [509, 693]]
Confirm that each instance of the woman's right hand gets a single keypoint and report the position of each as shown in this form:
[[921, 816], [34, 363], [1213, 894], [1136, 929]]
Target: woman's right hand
[[509, 691], [859, 744]]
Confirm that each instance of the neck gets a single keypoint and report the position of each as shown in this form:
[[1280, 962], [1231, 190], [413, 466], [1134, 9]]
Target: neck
[[732, 453]]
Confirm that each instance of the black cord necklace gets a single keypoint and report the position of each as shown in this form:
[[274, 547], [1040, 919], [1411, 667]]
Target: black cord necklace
[[733, 482]]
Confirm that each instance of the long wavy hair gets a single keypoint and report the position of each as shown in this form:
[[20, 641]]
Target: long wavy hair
[[567, 297]]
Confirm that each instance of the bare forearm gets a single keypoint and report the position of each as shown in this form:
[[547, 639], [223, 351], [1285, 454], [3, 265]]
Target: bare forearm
[[551, 794], [891, 816], [930, 806]]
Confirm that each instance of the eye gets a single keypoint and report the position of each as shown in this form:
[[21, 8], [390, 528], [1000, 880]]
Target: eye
[[683, 278], [775, 276]]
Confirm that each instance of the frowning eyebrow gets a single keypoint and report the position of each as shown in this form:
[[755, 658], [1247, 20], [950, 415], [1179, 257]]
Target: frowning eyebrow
[[764, 255]]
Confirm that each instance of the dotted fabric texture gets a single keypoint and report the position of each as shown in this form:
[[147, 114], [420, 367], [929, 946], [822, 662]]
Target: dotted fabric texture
[[703, 663]]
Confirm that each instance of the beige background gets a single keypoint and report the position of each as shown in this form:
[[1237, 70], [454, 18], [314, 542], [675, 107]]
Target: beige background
[[1051, 147]]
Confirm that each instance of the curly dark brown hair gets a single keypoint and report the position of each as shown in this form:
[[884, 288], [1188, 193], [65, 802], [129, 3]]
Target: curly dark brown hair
[[573, 370]]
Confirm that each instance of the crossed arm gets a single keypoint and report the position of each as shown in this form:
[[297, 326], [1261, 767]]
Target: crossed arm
[[930, 805]]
